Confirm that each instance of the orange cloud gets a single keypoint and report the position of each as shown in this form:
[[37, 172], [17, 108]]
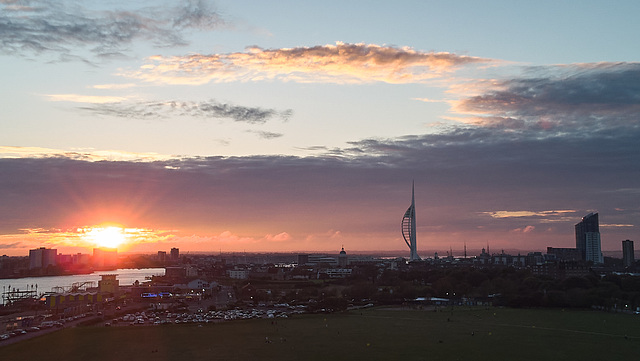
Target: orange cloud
[[280, 237], [90, 155], [79, 98], [339, 63], [428, 100], [512, 214], [527, 229], [114, 86]]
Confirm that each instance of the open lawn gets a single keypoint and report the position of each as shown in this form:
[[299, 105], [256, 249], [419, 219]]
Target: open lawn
[[373, 334]]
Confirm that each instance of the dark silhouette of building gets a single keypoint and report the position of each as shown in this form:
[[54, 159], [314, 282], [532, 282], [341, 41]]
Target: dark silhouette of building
[[628, 258], [175, 273], [342, 259], [175, 254], [562, 269], [303, 259], [565, 254]]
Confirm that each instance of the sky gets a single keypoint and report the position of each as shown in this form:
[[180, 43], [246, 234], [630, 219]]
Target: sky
[[299, 126]]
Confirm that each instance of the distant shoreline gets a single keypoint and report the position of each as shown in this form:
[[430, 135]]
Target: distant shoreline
[[86, 272]]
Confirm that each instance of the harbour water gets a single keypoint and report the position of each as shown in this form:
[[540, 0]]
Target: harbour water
[[45, 284]]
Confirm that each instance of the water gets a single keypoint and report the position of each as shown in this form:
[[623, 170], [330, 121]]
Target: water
[[45, 284]]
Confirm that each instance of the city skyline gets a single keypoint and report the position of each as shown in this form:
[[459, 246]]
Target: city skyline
[[247, 126]]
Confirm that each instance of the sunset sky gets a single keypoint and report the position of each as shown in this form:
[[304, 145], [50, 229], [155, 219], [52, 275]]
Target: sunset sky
[[300, 126]]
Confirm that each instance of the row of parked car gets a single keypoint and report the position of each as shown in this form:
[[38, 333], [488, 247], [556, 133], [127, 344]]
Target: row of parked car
[[160, 318], [42, 326], [18, 332]]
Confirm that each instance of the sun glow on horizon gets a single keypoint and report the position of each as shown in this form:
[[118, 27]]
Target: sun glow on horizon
[[83, 238], [106, 237]]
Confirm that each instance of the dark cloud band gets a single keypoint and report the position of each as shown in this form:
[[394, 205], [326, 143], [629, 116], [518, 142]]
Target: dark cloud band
[[65, 27], [578, 98], [204, 109], [463, 176]]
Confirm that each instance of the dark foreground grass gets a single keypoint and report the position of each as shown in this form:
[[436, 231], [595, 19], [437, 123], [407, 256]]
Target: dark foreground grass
[[374, 334]]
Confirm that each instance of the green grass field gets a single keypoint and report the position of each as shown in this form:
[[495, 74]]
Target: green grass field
[[372, 334]]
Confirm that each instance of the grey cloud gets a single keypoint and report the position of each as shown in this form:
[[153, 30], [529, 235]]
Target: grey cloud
[[588, 97], [10, 245], [65, 27], [266, 135], [204, 109], [197, 14], [314, 148]]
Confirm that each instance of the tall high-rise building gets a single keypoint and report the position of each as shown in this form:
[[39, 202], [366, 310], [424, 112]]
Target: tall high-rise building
[[628, 259], [409, 227], [42, 257], [588, 241], [175, 254]]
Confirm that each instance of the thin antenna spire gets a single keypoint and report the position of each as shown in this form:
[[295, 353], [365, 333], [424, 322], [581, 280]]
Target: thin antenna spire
[[413, 194], [409, 226]]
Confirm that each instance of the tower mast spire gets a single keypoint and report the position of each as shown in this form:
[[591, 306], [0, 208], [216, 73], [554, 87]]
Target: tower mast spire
[[409, 226]]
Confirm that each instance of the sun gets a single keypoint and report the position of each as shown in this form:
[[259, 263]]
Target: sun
[[106, 237]]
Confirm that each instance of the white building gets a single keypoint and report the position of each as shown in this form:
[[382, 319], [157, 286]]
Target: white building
[[197, 284], [201, 284]]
